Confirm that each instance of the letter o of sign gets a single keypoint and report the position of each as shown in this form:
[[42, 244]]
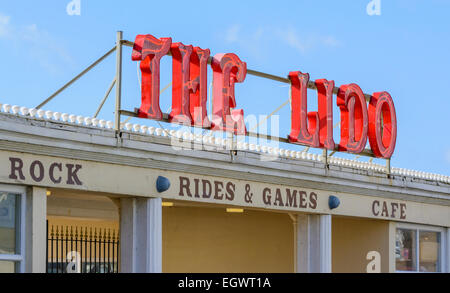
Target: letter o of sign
[[382, 138], [33, 170]]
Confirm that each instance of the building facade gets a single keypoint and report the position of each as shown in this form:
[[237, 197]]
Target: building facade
[[199, 207]]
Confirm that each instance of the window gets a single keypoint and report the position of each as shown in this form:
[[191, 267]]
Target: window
[[418, 249], [12, 222]]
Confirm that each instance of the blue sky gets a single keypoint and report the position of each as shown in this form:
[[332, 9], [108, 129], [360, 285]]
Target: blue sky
[[404, 51]]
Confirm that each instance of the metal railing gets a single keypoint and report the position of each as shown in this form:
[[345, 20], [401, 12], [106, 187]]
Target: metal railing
[[82, 250]]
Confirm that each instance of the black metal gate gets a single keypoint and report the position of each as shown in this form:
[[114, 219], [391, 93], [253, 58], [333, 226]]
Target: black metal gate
[[82, 250]]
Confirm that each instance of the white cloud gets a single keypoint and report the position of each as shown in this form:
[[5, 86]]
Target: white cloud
[[4, 25], [248, 40], [31, 33], [308, 42], [291, 38], [254, 40], [331, 41], [232, 33], [36, 44], [258, 34], [447, 156]]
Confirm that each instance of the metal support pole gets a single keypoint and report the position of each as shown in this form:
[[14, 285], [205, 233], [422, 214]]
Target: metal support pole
[[366, 152], [75, 78], [325, 157], [311, 83], [104, 98], [118, 79], [388, 167], [230, 136]]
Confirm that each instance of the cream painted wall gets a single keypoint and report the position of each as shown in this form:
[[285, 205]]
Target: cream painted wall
[[7, 267], [353, 238], [212, 240], [79, 222]]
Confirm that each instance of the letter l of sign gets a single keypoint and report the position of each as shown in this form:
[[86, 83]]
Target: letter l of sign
[[325, 95], [304, 125]]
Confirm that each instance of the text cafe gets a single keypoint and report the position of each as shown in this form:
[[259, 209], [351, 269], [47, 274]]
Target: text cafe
[[90, 195]]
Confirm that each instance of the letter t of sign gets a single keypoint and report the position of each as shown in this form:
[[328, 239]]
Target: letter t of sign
[[227, 70], [149, 50]]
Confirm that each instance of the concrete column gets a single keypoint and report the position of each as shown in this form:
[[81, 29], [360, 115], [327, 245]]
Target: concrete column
[[392, 236], [36, 230], [447, 249], [127, 228], [141, 235], [295, 224], [313, 244]]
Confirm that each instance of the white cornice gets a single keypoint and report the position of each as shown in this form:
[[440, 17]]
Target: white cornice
[[53, 133]]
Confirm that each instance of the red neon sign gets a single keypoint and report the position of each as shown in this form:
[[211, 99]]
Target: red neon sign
[[376, 122]]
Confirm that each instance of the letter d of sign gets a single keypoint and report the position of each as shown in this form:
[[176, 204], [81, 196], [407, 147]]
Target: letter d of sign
[[304, 125], [149, 50], [227, 70], [382, 138], [354, 118]]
